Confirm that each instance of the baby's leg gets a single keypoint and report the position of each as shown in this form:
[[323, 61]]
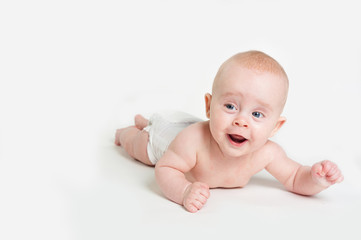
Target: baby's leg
[[140, 122], [135, 143]]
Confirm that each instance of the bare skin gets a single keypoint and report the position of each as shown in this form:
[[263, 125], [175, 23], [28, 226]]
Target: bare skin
[[244, 111], [134, 140]]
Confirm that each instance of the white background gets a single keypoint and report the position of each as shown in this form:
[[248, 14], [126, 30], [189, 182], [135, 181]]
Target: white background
[[71, 72]]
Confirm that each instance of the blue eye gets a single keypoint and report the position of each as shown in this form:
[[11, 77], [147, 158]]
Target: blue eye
[[230, 106], [257, 114]]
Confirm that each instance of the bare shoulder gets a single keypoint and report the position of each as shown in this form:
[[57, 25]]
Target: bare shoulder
[[191, 137], [277, 159], [197, 131], [269, 152], [187, 143]]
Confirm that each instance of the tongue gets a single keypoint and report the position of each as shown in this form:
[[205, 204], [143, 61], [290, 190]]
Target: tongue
[[237, 138]]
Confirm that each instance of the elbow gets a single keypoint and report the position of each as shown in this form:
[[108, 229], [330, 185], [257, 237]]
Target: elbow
[[163, 175], [291, 182]]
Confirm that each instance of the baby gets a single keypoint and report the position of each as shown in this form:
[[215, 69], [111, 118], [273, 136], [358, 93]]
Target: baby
[[244, 110]]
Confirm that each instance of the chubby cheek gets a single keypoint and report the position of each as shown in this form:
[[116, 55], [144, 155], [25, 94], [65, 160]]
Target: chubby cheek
[[260, 136], [218, 124], [215, 127]]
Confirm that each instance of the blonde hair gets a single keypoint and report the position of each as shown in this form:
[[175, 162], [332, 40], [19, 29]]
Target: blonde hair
[[257, 61]]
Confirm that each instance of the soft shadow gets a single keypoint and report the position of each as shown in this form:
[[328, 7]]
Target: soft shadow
[[151, 183], [273, 183], [153, 187], [125, 155], [122, 152], [264, 181]]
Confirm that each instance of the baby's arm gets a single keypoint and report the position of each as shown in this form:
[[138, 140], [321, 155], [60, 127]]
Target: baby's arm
[[170, 169], [300, 179]]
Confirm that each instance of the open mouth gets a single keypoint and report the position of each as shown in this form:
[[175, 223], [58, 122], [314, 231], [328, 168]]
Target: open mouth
[[236, 139]]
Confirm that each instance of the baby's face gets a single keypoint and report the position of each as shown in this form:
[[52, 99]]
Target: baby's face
[[245, 109]]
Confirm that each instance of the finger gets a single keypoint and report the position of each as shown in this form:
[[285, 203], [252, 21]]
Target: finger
[[205, 193], [333, 177], [340, 179], [202, 199], [317, 169], [191, 208], [337, 179], [326, 166], [332, 171], [197, 204], [202, 189]]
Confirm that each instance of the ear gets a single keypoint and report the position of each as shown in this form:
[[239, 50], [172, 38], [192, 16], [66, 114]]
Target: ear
[[208, 99], [279, 124]]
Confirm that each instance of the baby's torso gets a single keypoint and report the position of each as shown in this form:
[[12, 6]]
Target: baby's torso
[[218, 176], [218, 172]]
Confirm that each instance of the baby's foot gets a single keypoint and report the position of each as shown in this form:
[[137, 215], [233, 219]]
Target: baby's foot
[[140, 122], [117, 136]]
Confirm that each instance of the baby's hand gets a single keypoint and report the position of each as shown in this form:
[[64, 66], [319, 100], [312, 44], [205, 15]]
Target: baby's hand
[[195, 196], [326, 173]]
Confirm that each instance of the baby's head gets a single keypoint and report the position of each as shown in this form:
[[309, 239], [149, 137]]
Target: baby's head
[[257, 62], [248, 96]]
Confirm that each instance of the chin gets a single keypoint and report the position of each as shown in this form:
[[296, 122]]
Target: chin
[[235, 153]]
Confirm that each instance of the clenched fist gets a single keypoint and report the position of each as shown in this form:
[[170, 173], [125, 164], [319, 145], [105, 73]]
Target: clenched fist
[[326, 173]]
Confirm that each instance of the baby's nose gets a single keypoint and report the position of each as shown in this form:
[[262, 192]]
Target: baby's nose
[[239, 122]]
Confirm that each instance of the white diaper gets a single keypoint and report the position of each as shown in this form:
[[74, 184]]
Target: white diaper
[[162, 129]]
